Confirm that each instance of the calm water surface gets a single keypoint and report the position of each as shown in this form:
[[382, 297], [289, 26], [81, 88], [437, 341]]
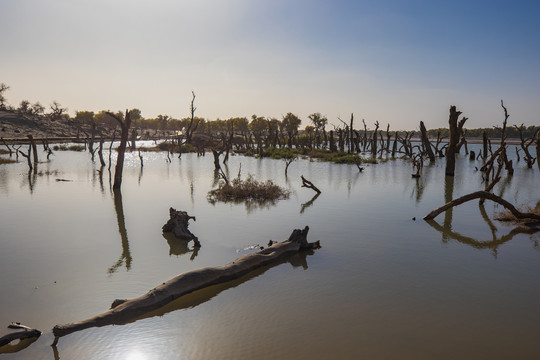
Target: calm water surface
[[383, 286]]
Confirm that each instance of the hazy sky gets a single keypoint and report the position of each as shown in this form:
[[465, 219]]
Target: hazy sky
[[392, 61]]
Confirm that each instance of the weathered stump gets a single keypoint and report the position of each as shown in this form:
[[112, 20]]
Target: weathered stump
[[178, 225]]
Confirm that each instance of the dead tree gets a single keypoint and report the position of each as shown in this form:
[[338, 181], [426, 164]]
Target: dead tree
[[123, 311], [34, 149], [374, 140], [124, 126], [7, 146], [308, 184], [193, 123], [100, 152], [178, 225], [482, 195], [288, 160], [525, 143], [456, 127], [426, 143], [484, 145]]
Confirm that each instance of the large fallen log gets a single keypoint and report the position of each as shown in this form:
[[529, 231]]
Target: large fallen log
[[123, 311], [482, 195]]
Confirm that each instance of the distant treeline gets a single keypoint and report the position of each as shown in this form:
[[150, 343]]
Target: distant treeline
[[493, 132]]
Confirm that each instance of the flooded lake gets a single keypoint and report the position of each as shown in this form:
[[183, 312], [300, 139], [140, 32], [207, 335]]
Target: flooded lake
[[383, 285]]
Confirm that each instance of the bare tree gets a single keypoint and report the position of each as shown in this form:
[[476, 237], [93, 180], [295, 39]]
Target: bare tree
[[124, 125], [456, 128], [193, 123]]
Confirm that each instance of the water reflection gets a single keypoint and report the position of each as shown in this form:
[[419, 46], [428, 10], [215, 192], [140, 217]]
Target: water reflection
[[309, 203], [21, 345], [125, 257], [492, 244], [448, 196], [179, 246]]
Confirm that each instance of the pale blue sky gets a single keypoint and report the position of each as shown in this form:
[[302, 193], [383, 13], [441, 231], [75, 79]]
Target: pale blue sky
[[395, 62]]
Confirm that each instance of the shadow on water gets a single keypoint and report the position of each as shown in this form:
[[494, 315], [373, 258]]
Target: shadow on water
[[179, 246], [309, 203], [125, 257], [21, 345]]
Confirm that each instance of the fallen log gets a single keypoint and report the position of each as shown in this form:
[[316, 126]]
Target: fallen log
[[123, 311], [481, 195]]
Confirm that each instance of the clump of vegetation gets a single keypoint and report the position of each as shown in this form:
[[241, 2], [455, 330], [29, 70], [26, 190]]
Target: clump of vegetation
[[339, 157], [184, 148], [248, 190], [63, 147], [280, 153]]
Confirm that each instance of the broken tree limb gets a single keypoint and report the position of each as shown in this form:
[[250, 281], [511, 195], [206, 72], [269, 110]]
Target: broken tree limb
[[308, 184], [123, 311], [481, 195]]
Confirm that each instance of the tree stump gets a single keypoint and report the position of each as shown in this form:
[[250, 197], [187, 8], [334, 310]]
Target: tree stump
[[178, 225]]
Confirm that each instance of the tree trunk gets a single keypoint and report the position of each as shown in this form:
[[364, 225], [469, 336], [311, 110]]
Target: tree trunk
[[124, 125], [123, 311], [34, 149], [455, 133], [484, 145], [427, 144]]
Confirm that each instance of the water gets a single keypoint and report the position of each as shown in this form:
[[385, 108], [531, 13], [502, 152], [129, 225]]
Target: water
[[383, 286]]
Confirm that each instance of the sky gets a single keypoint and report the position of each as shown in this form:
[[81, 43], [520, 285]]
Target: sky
[[397, 62]]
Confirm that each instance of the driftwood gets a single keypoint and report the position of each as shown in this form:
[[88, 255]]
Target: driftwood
[[25, 333], [308, 184], [123, 311], [482, 195], [178, 225]]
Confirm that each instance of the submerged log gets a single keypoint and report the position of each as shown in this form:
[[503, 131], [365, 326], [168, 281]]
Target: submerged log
[[123, 311], [178, 225], [482, 195]]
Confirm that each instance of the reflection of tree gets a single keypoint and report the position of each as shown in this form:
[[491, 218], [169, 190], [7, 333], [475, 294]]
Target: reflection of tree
[[448, 195], [309, 203], [21, 345], [126, 255], [492, 244], [179, 246]]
